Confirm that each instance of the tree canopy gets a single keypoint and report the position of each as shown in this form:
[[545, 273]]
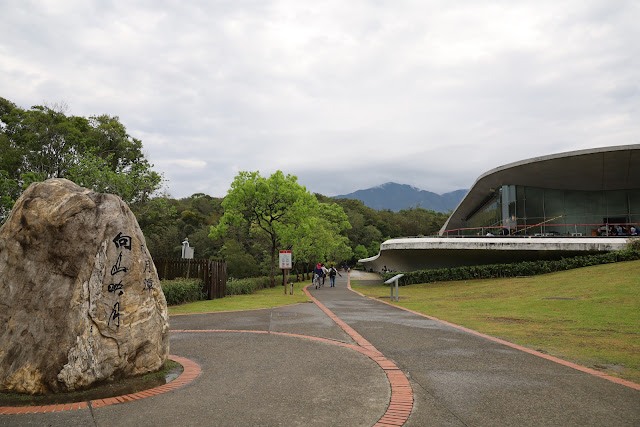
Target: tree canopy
[[247, 250], [96, 152], [256, 218], [286, 214]]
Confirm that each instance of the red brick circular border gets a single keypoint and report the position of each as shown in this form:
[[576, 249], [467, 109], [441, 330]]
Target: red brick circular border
[[191, 372]]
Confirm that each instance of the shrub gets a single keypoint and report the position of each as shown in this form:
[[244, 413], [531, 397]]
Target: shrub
[[525, 268], [634, 244], [180, 290], [246, 286]]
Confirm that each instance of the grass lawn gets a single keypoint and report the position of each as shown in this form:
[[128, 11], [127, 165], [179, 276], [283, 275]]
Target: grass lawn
[[590, 316], [265, 298]]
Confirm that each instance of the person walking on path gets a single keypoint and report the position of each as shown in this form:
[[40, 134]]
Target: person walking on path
[[324, 273], [317, 275], [332, 275]]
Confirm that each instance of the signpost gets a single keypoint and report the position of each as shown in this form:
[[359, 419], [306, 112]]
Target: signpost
[[187, 253], [285, 266], [390, 282]]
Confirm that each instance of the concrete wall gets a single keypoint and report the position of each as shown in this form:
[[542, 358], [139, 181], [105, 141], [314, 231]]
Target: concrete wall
[[408, 254]]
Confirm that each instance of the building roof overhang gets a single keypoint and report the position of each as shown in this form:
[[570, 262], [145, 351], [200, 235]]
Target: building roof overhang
[[606, 168]]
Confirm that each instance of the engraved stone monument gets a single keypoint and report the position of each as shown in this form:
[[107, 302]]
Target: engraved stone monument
[[80, 300]]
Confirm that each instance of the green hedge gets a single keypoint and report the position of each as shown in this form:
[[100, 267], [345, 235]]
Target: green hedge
[[246, 286], [179, 290], [525, 268]]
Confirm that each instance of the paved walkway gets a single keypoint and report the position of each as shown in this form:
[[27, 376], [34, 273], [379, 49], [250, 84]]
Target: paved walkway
[[296, 366]]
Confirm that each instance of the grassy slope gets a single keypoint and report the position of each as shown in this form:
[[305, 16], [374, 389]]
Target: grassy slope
[[598, 325], [264, 298]]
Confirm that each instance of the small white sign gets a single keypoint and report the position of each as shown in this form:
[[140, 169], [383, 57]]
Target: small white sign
[[187, 251], [285, 260]]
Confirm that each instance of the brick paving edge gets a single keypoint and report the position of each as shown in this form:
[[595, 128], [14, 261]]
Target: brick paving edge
[[400, 385], [190, 373]]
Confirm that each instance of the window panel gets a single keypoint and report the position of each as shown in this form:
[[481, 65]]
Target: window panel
[[617, 206], [553, 203], [534, 205], [634, 201]]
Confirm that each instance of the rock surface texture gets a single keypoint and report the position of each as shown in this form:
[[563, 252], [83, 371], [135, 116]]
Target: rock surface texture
[[80, 300]]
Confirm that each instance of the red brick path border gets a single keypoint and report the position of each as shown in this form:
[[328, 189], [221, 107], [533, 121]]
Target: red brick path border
[[191, 372], [401, 403], [401, 393]]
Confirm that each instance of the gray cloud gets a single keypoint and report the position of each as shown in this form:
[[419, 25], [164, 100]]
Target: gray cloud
[[345, 95]]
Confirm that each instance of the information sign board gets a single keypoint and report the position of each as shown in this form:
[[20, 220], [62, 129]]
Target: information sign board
[[285, 260]]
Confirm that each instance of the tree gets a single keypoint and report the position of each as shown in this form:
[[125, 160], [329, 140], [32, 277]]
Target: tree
[[111, 142], [240, 263], [134, 183], [270, 206], [320, 238], [8, 191], [360, 252], [374, 249], [96, 153]]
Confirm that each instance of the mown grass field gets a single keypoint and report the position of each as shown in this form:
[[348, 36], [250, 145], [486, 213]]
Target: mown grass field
[[590, 316], [265, 298]]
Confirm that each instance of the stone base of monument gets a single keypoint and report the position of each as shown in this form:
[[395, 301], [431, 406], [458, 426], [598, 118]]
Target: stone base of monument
[[169, 372]]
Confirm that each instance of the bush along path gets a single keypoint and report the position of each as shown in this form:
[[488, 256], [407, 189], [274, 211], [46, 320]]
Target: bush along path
[[524, 268]]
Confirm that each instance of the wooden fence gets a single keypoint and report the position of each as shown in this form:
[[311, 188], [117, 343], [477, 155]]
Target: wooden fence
[[212, 273]]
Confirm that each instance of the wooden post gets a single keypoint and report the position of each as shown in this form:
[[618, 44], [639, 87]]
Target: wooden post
[[284, 280]]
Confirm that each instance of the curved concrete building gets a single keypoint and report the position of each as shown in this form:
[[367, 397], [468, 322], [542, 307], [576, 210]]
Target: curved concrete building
[[548, 207], [598, 172]]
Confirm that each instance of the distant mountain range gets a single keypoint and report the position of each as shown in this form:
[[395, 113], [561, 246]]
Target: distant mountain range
[[396, 197]]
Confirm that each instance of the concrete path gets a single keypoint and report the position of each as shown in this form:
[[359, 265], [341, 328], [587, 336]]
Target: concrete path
[[296, 366], [459, 378]]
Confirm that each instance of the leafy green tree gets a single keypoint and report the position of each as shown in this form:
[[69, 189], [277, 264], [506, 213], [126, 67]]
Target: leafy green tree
[[319, 238], [374, 248], [273, 207], [109, 140], [164, 242], [360, 252], [49, 141], [8, 195], [135, 184], [240, 263], [96, 153]]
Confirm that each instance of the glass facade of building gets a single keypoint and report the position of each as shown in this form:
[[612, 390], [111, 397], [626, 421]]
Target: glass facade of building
[[522, 210]]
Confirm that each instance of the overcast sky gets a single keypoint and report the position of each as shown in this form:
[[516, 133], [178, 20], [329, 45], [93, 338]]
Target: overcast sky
[[344, 94]]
